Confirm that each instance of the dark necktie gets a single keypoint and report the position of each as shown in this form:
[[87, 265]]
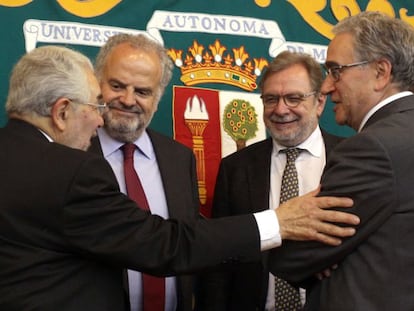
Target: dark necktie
[[286, 296], [153, 287]]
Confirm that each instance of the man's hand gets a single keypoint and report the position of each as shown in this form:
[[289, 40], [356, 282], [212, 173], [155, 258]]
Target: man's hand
[[306, 218], [326, 273]]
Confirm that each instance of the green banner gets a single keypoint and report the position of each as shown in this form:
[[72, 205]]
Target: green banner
[[203, 37]]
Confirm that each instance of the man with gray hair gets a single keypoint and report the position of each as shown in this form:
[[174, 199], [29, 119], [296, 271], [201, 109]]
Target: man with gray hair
[[252, 179], [66, 231], [133, 71], [370, 72]]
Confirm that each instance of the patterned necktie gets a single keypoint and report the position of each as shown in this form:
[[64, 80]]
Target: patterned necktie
[[286, 296], [153, 287]]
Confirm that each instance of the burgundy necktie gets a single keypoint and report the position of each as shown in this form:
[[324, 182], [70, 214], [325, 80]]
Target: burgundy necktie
[[153, 287]]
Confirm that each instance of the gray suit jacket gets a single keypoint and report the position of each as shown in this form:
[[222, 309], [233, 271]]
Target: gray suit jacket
[[376, 266]]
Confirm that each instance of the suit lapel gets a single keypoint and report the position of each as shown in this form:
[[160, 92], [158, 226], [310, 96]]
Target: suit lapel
[[168, 173], [258, 174], [330, 141], [258, 171]]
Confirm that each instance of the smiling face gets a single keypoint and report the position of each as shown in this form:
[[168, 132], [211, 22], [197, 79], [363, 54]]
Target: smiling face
[[291, 126], [130, 86]]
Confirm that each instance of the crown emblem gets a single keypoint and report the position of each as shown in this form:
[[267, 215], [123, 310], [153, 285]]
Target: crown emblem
[[213, 67]]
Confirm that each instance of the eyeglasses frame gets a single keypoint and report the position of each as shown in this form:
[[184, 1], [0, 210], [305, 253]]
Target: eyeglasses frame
[[340, 68], [99, 107], [287, 103]]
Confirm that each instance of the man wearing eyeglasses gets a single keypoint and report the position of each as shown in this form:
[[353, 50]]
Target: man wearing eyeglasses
[[250, 180], [67, 232], [370, 72]]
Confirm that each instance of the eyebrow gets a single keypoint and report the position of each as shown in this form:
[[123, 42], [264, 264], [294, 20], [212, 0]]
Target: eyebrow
[[284, 94], [331, 64], [110, 81], [146, 90]]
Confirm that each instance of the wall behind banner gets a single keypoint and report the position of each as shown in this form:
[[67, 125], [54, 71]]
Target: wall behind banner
[[219, 48]]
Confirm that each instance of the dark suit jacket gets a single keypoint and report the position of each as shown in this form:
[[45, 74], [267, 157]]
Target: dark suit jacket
[[178, 173], [242, 187], [376, 265], [66, 232]]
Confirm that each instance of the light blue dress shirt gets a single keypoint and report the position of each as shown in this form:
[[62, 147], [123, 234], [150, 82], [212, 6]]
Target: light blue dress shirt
[[145, 164]]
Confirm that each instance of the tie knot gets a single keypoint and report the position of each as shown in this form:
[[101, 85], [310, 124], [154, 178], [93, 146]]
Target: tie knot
[[292, 153], [128, 150]]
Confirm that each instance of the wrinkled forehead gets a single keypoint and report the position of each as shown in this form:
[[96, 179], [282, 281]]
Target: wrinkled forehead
[[341, 49], [294, 78]]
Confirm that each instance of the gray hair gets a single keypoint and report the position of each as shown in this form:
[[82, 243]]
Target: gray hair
[[377, 35], [287, 59], [44, 75], [141, 42]]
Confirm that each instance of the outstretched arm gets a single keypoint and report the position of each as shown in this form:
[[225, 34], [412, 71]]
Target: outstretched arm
[[307, 218]]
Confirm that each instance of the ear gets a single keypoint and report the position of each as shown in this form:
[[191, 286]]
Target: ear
[[60, 113], [383, 68], [321, 101]]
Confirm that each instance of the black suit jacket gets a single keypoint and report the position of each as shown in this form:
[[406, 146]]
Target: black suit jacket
[[375, 168], [178, 173], [66, 232], [242, 187]]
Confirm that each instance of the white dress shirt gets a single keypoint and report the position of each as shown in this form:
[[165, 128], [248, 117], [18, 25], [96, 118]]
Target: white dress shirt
[[309, 165]]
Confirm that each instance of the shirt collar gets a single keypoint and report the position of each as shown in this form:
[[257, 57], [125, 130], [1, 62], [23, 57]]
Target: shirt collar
[[382, 104], [46, 135], [313, 144], [110, 145]]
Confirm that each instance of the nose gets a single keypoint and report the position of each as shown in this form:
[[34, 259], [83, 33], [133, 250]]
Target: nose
[[100, 121], [328, 85], [128, 96], [281, 108]]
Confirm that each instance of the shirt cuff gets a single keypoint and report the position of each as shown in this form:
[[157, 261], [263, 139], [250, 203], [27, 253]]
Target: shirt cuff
[[268, 226]]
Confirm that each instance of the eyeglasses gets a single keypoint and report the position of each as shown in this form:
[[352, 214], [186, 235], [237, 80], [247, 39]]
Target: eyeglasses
[[290, 100], [100, 108], [336, 70]]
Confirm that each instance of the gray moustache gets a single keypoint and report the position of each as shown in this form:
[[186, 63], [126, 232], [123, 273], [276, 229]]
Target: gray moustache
[[130, 110]]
